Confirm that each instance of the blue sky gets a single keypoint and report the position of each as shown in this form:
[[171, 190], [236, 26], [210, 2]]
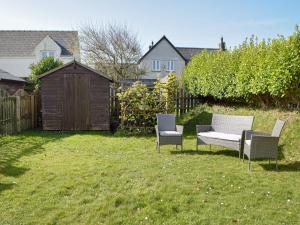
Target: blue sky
[[186, 23]]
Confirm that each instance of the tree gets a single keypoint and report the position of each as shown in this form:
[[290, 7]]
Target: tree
[[43, 66], [113, 49]]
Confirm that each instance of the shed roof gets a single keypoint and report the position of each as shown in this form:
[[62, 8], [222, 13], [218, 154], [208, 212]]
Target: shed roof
[[4, 75], [21, 43], [77, 63]]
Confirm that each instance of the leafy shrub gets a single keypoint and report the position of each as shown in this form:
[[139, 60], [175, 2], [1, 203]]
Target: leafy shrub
[[139, 105], [261, 72], [43, 66], [170, 88]]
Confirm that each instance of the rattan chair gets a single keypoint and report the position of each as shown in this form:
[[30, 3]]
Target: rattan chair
[[260, 145], [167, 132]]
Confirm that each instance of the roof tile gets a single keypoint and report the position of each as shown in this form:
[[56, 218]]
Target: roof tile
[[22, 43]]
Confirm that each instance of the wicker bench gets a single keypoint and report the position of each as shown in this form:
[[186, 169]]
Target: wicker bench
[[225, 130]]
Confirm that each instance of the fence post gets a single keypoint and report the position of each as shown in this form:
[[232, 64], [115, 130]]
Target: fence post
[[177, 102], [32, 102], [18, 113]]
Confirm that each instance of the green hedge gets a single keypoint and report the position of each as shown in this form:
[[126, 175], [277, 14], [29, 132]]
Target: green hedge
[[265, 72]]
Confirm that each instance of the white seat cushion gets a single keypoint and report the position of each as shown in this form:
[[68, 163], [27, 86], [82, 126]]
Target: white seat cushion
[[219, 135], [248, 142], [169, 133]]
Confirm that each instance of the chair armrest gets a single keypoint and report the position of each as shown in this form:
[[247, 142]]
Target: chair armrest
[[179, 129], [264, 147], [259, 139], [156, 130], [250, 133], [203, 128]]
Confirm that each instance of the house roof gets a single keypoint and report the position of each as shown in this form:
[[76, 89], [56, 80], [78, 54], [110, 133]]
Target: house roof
[[17, 43], [78, 63], [186, 53], [4, 75], [163, 38]]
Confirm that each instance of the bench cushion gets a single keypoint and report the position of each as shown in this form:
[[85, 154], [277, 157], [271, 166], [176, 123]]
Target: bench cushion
[[219, 135], [169, 133]]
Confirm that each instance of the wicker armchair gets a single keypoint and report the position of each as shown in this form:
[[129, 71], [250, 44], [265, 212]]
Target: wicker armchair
[[167, 132], [260, 145]]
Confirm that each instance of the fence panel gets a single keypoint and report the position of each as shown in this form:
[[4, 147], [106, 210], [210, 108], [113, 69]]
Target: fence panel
[[114, 105], [185, 102], [17, 113]]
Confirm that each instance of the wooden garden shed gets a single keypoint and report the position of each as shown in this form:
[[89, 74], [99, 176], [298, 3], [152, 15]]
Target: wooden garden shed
[[75, 97]]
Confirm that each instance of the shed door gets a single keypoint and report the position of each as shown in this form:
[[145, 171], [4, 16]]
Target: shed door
[[76, 102]]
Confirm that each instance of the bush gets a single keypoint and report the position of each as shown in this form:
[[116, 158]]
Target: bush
[[139, 105], [43, 66], [262, 72], [170, 88]]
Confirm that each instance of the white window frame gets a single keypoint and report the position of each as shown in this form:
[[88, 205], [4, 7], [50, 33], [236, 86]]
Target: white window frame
[[46, 53], [171, 66], [155, 65]]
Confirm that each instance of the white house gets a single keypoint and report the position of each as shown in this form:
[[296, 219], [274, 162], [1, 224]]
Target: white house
[[163, 58], [19, 49]]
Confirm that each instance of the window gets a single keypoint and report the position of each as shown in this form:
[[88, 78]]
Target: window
[[171, 66], [47, 54], [155, 65], [51, 53]]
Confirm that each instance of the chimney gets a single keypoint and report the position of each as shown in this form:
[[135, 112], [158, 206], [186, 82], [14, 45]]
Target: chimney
[[222, 45], [150, 46]]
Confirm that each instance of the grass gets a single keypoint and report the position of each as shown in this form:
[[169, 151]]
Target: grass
[[100, 178]]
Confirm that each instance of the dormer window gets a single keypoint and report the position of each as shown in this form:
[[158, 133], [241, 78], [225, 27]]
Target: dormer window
[[44, 54], [155, 65]]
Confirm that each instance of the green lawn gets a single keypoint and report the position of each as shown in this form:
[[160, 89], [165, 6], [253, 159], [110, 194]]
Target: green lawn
[[100, 178]]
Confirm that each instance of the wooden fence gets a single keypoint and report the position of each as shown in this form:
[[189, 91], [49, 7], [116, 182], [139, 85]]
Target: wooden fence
[[17, 112], [114, 105], [184, 103]]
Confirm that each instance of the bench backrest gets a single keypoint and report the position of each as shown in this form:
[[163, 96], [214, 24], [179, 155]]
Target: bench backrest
[[231, 124]]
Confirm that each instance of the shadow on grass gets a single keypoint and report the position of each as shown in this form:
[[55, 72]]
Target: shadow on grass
[[12, 171], [230, 153], [280, 152], [290, 167], [12, 148], [6, 186]]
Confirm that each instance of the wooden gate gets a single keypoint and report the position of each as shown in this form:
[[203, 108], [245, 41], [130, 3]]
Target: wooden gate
[[17, 112], [76, 102]]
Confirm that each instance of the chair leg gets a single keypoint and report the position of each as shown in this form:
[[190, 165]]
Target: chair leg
[[158, 147], [240, 154], [249, 165], [196, 145]]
